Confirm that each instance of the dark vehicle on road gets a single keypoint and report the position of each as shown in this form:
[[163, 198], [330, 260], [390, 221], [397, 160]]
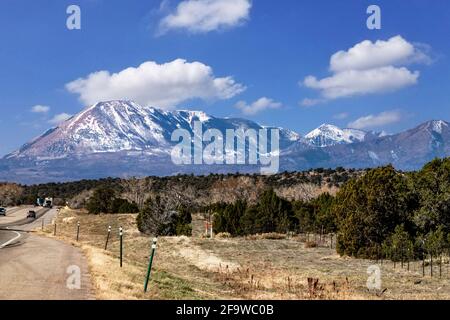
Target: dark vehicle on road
[[3, 212], [31, 214]]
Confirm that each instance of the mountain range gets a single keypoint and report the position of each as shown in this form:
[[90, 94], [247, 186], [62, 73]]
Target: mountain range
[[123, 139]]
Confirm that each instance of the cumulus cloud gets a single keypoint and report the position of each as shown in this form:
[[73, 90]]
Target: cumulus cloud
[[369, 68], [57, 119], [159, 85], [369, 55], [359, 82], [201, 16], [258, 106], [40, 109], [376, 121]]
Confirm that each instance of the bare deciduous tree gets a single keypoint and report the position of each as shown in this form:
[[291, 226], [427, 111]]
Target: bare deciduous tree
[[137, 190]]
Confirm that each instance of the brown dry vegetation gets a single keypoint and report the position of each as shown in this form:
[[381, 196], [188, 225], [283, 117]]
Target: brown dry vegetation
[[228, 189], [9, 193], [232, 268]]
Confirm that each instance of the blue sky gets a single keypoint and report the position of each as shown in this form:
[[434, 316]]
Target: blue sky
[[247, 58]]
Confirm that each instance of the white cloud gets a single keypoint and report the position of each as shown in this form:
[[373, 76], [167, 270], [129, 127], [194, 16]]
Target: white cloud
[[258, 106], [376, 121], [359, 82], [201, 16], [57, 119], [159, 85], [369, 68], [369, 55], [40, 109]]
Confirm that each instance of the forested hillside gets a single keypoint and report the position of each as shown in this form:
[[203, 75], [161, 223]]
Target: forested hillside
[[202, 189]]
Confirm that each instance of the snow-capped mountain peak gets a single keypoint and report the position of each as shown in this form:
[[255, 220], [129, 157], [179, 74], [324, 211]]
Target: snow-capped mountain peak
[[328, 135], [194, 115], [120, 125], [438, 125]]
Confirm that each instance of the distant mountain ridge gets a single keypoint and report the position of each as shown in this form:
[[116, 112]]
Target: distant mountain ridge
[[408, 150], [329, 135], [122, 138], [117, 126]]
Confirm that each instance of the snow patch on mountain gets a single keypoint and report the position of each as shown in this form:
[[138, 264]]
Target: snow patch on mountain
[[329, 135], [438, 126]]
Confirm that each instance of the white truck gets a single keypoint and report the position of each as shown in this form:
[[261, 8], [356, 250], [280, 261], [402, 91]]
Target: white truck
[[48, 203]]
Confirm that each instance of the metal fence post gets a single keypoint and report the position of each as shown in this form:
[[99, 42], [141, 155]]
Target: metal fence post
[[107, 237], [121, 244], [147, 278]]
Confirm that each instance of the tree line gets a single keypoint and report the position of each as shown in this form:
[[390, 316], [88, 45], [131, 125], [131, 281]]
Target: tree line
[[62, 192], [273, 214], [383, 213]]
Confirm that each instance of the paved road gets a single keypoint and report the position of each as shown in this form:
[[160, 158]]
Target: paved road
[[8, 237], [15, 214], [39, 268]]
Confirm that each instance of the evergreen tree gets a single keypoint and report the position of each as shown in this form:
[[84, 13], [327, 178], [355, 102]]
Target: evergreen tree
[[101, 200], [436, 242], [304, 213], [401, 244], [248, 220], [323, 213], [432, 184], [274, 214], [368, 210], [183, 226], [123, 206]]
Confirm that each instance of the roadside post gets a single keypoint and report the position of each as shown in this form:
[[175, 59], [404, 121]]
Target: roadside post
[[395, 255], [107, 237], [423, 265], [54, 230], [42, 228], [381, 256], [78, 230], [211, 229], [321, 235], [431, 264], [149, 270], [409, 254], [121, 245], [423, 258]]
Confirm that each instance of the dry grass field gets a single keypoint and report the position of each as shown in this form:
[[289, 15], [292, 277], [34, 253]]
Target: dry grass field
[[232, 268]]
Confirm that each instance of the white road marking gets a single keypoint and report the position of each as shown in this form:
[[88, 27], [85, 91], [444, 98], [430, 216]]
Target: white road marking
[[12, 240]]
